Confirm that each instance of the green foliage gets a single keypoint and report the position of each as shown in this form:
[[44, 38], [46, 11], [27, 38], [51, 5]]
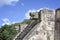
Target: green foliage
[[26, 21], [16, 24], [7, 32]]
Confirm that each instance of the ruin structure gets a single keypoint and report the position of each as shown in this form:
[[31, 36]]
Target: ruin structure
[[45, 27]]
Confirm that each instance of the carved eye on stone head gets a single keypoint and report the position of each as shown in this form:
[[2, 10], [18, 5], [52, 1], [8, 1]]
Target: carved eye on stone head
[[31, 14], [58, 10]]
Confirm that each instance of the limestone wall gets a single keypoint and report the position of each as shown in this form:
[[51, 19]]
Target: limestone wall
[[45, 29]]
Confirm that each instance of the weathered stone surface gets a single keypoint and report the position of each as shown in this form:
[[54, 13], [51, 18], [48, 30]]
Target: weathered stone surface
[[45, 29], [57, 24], [23, 26]]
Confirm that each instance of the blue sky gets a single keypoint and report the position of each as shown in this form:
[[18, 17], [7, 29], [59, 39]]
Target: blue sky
[[12, 11]]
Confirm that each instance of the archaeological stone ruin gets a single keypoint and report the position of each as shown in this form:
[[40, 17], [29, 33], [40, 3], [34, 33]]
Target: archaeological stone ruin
[[45, 25]]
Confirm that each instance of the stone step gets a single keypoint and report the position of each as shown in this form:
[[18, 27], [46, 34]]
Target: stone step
[[26, 30]]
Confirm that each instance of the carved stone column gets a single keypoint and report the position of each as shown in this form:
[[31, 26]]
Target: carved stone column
[[57, 24]]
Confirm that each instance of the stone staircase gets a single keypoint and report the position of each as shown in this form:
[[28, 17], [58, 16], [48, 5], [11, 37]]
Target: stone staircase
[[32, 32], [26, 30]]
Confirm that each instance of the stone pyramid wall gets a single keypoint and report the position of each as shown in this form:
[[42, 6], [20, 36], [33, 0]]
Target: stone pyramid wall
[[45, 29]]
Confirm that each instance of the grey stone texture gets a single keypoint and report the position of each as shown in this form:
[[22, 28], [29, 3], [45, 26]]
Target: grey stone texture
[[45, 29]]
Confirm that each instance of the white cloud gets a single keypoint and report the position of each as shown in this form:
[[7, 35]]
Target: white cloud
[[22, 4], [33, 10], [6, 21], [8, 2], [27, 16], [15, 22]]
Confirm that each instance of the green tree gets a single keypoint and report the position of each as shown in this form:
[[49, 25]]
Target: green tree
[[7, 32], [26, 21]]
